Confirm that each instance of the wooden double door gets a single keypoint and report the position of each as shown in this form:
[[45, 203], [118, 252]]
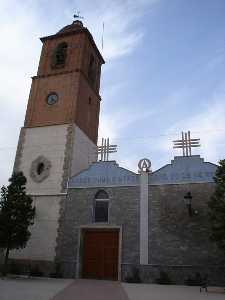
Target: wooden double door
[[100, 254]]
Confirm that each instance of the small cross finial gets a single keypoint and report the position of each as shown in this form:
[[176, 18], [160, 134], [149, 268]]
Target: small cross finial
[[186, 143], [105, 149]]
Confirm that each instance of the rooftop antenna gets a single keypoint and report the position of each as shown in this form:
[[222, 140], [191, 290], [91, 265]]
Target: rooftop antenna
[[103, 29], [77, 15]]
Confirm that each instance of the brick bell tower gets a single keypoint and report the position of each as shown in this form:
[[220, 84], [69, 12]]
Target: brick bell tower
[[60, 132]]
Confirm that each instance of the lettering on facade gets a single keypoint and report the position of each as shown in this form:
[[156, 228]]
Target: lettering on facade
[[105, 180], [183, 176], [181, 170]]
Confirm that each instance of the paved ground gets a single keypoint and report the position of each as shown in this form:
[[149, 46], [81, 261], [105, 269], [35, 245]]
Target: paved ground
[[92, 290], [63, 289], [31, 289], [171, 292]]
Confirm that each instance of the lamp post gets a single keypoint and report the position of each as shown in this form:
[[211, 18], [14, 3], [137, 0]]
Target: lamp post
[[187, 200]]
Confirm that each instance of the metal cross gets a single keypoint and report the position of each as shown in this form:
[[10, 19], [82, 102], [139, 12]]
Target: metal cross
[[105, 149], [186, 143]]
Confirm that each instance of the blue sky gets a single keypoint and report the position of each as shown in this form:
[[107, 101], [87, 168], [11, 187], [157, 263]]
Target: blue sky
[[164, 72]]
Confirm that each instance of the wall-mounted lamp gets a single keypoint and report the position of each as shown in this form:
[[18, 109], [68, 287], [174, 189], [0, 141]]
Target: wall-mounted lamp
[[187, 201]]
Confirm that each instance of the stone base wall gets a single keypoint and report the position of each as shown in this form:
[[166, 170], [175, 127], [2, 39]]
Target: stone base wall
[[177, 274], [46, 268], [147, 273], [150, 273], [69, 269], [1, 256], [29, 267]]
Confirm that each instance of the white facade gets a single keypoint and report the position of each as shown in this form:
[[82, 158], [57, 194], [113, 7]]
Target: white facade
[[42, 243], [84, 151], [69, 151], [50, 142]]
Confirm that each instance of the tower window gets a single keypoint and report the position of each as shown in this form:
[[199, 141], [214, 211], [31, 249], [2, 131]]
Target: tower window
[[89, 100], [59, 55], [101, 207]]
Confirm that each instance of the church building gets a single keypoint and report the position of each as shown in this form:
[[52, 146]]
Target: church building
[[94, 218], [114, 221]]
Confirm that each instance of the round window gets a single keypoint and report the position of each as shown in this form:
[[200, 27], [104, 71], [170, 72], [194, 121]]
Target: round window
[[40, 169], [52, 98]]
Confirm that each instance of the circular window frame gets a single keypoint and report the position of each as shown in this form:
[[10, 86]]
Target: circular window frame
[[34, 174], [51, 94]]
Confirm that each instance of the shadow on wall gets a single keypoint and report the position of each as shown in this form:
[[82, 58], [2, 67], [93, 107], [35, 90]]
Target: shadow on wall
[[1, 256], [33, 268], [1, 259]]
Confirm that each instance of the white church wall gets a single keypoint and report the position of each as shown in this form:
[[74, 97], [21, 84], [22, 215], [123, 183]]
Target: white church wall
[[50, 142], [42, 243], [84, 151]]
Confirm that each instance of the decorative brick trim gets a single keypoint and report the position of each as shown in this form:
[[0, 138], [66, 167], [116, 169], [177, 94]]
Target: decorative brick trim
[[66, 174], [67, 156], [77, 70], [55, 74], [59, 238], [19, 151]]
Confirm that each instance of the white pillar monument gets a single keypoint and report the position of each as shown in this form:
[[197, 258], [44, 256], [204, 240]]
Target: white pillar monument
[[144, 169]]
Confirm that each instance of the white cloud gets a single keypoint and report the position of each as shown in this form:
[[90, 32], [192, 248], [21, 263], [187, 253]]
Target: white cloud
[[112, 123], [209, 125], [23, 22], [20, 53], [121, 30]]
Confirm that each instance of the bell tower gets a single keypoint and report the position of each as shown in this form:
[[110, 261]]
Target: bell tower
[[60, 131], [66, 88], [61, 124]]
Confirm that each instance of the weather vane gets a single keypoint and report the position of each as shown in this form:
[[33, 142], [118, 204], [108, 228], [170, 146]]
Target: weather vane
[[186, 143], [77, 15], [105, 149]]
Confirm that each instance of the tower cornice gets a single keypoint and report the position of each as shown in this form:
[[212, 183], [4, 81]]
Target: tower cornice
[[67, 72]]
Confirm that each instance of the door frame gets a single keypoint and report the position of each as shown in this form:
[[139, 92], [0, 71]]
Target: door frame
[[97, 227]]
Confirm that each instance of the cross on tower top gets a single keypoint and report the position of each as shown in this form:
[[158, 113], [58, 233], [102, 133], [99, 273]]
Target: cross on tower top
[[186, 143], [105, 149]]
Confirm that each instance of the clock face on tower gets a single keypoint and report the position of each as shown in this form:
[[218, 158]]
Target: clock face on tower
[[52, 98]]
